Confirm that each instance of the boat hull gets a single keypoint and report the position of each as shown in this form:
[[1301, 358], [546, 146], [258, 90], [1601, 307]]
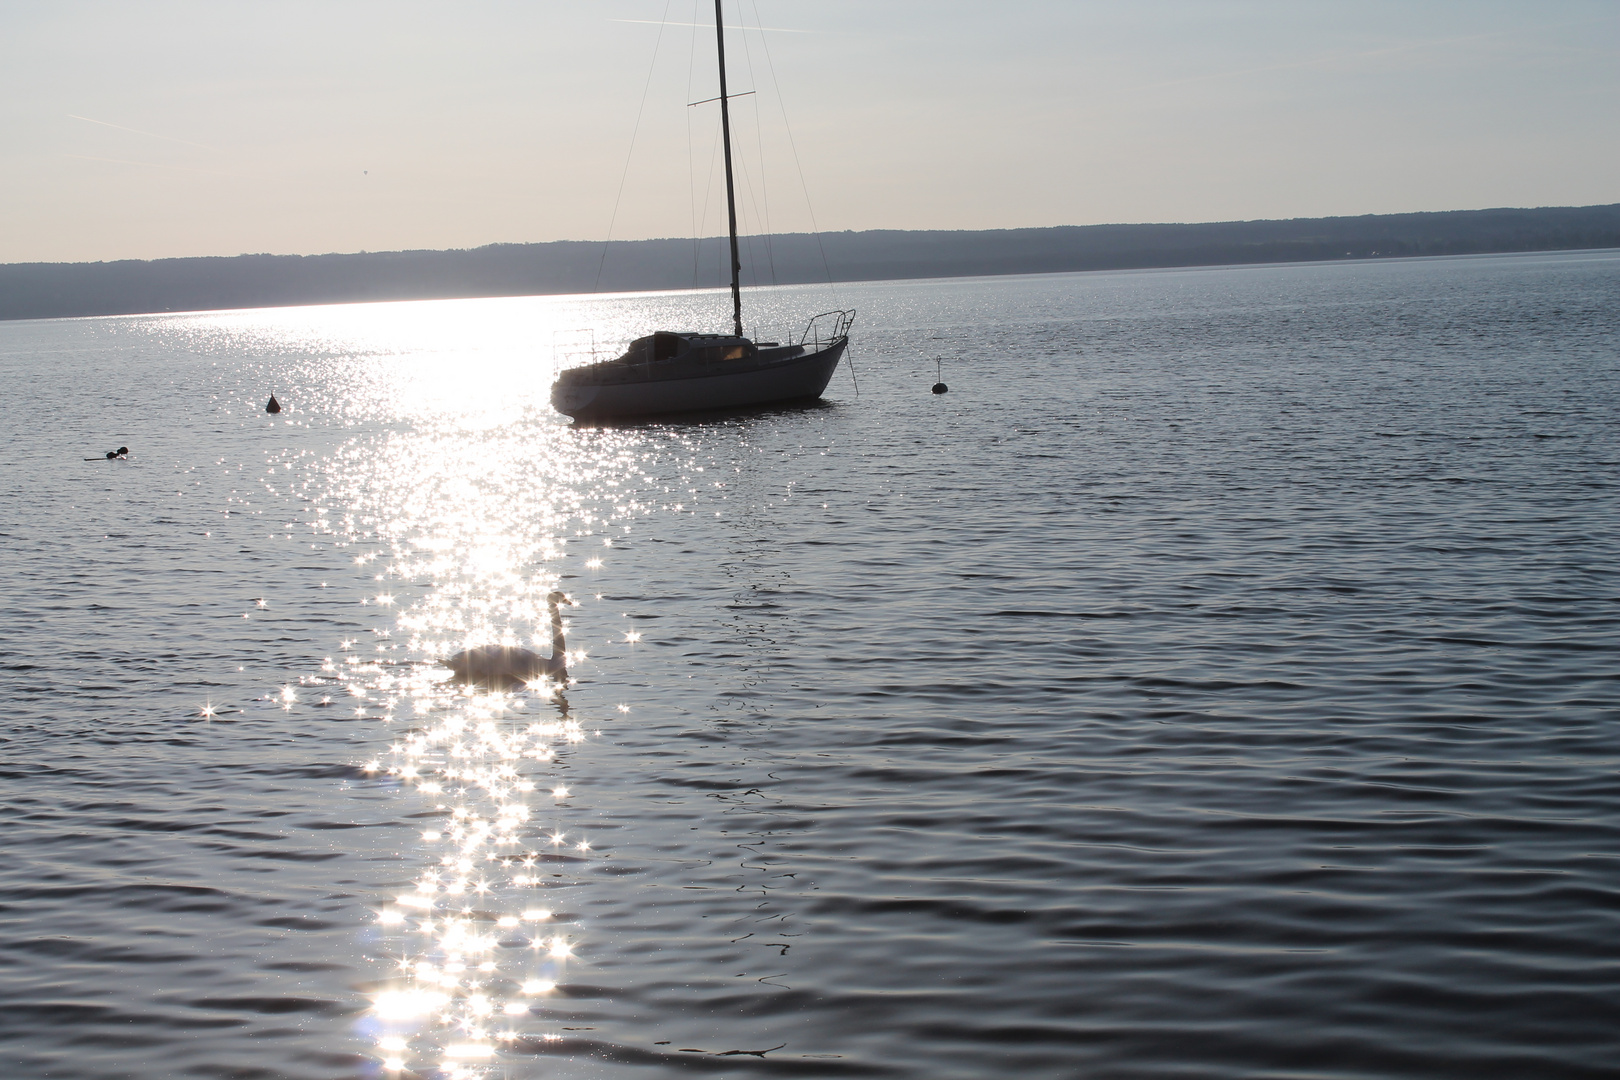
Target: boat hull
[[799, 378]]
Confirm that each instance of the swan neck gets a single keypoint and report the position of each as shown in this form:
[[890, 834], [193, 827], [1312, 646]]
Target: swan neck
[[559, 647]]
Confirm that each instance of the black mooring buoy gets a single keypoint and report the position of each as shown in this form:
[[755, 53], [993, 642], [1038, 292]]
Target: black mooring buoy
[[940, 388], [939, 373], [273, 406]]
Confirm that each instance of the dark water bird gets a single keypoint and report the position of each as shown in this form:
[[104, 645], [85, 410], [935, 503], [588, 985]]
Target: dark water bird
[[507, 667], [273, 406]]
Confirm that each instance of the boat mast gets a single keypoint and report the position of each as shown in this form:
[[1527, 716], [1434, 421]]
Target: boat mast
[[731, 195]]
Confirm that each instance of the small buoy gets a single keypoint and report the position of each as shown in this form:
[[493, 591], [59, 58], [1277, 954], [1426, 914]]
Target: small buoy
[[274, 405], [123, 451], [940, 388]]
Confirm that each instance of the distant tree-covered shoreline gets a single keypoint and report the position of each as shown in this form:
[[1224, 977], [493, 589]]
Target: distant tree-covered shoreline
[[59, 290]]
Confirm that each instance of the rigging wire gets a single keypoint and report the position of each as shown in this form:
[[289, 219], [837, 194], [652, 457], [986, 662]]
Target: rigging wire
[[691, 161], [708, 195], [699, 212], [815, 229], [748, 238], [759, 144], [613, 219]]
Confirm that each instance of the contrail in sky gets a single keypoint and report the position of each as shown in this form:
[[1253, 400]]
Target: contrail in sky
[[138, 131]]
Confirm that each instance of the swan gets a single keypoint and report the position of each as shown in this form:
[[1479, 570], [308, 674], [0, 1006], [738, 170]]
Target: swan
[[507, 667]]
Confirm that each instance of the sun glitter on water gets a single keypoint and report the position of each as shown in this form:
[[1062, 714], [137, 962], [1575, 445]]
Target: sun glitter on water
[[469, 504], [471, 957], [475, 957]]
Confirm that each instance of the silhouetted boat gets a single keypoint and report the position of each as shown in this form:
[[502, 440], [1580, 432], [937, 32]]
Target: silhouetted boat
[[677, 371]]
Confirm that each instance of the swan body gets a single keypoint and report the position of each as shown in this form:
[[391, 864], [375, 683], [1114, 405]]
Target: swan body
[[508, 667]]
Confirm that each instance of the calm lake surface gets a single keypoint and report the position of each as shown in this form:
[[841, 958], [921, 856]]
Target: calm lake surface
[[1222, 680]]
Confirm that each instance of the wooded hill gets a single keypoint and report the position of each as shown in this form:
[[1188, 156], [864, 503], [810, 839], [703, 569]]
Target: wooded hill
[[55, 290]]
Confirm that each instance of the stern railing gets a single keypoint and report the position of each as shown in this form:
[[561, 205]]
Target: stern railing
[[827, 328]]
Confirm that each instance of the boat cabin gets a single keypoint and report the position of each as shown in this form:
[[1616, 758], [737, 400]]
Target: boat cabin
[[692, 348]]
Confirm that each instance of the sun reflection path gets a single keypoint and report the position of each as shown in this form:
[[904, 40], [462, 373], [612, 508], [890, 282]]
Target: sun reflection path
[[458, 535], [457, 517], [476, 943]]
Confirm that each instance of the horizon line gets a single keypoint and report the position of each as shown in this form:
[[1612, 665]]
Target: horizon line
[[366, 252]]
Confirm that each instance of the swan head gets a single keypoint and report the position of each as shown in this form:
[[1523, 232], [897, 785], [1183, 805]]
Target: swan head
[[560, 598]]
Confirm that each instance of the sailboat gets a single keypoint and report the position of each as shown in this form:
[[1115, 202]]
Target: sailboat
[[673, 371]]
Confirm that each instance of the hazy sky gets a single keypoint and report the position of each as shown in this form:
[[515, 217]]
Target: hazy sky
[[152, 128]]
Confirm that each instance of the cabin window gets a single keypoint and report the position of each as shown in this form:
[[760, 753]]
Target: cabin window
[[665, 346]]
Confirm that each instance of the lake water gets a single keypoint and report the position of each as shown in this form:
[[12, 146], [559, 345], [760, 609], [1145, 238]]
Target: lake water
[[1222, 680]]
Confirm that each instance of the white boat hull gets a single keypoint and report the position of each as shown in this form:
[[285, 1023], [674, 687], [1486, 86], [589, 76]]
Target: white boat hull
[[793, 379]]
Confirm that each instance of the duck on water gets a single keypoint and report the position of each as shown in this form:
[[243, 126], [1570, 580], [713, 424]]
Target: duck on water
[[508, 667]]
